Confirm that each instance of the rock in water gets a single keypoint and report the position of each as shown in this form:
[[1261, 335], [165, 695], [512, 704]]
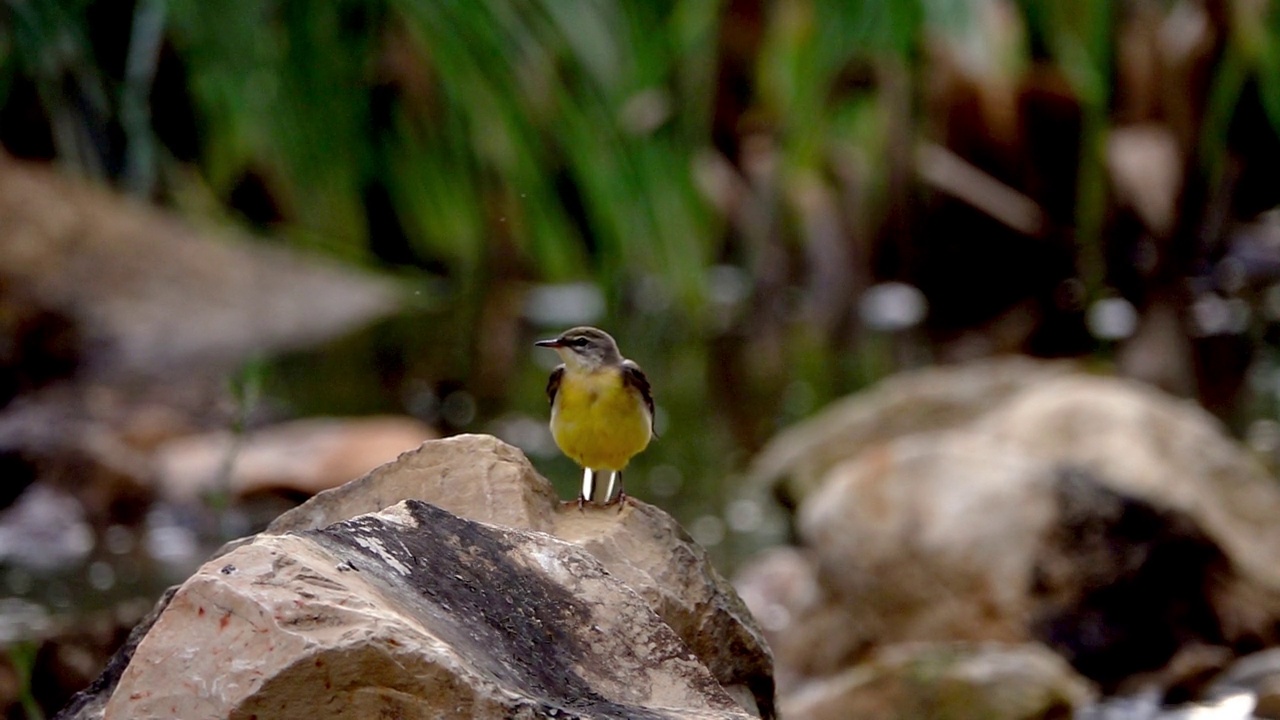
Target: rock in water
[[147, 292], [366, 599], [482, 478], [798, 459], [412, 612], [301, 456], [1022, 503]]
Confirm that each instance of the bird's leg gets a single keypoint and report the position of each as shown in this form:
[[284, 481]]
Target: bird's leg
[[613, 477], [588, 487], [616, 477]]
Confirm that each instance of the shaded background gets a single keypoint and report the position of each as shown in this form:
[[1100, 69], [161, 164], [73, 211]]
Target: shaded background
[[769, 204]]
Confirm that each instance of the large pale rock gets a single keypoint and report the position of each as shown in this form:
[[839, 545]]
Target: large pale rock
[[931, 536], [1101, 517], [799, 458], [481, 479], [478, 477], [1159, 449], [412, 612]]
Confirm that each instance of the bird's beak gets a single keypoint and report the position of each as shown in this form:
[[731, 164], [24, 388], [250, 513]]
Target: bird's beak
[[552, 343]]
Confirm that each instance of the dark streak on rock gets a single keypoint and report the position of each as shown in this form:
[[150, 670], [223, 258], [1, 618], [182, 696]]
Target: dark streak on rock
[[466, 586]]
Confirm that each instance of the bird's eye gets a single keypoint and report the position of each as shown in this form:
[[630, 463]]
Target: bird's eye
[[577, 342]]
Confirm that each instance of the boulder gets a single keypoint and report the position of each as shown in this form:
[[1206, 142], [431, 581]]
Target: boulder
[[524, 605], [929, 538], [1160, 450], [120, 322], [649, 551], [478, 477], [1018, 502], [482, 478], [412, 612], [798, 459]]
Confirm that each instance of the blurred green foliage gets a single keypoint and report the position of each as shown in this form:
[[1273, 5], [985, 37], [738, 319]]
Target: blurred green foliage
[[23, 657], [547, 128], [642, 143], [563, 131]]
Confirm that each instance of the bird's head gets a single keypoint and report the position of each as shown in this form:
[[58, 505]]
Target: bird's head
[[584, 348]]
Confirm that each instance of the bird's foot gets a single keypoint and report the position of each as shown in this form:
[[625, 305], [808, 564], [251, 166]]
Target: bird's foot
[[621, 501], [580, 502]]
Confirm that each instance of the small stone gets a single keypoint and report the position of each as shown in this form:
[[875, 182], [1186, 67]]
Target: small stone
[[299, 457], [961, 681]]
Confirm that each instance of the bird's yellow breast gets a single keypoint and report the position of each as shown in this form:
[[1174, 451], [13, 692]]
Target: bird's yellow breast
[[598, 421]]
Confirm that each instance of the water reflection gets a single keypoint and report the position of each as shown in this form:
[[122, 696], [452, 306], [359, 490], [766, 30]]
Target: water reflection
[[102, 576], [1146, 705], [707, 530], [665, 481], [48, 585], [531, 435], [21, 619], [892, 307], [1112, 318], [119, 540], [458, 409], [44, 529], [167, 540], [566, 304], [745, 515], [1212, 314]]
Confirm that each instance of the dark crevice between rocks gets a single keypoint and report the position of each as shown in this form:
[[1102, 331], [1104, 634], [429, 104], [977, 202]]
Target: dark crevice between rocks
[[507, 618], [1123, 584]]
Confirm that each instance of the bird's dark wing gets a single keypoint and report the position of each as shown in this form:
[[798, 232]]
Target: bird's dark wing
[[553, 383], [633, 376]]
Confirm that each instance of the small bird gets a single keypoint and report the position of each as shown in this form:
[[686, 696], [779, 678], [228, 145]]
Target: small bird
[[601, 407]]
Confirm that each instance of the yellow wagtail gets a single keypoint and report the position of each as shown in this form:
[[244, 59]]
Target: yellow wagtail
[[601, 407]]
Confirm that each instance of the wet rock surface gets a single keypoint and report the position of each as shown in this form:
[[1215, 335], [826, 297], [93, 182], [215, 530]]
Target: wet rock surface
[[1022, 504], [368, 599]]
